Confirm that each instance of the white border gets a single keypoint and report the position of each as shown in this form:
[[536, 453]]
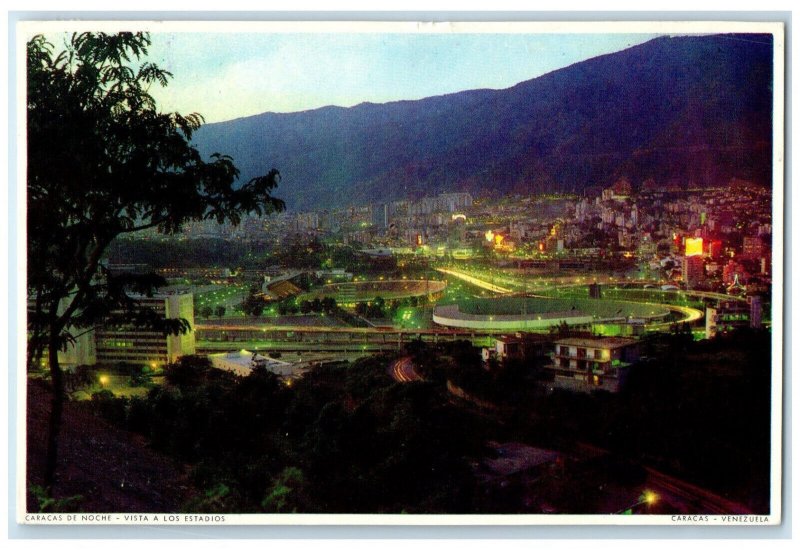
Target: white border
[[27, 28], [430, 27]]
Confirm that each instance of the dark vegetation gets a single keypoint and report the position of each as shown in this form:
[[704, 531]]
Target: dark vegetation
[[104, 162], [697, 410], [174, 253], [347, 439], [343, 439], [297, 252]]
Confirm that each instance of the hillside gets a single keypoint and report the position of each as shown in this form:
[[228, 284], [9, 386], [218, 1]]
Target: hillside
[[103, 468], [696, 110]]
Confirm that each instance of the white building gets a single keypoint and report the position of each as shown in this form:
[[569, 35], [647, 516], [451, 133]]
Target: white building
[[243, 362]]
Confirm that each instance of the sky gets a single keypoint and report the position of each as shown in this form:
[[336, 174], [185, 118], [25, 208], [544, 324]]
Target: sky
[[224, 76]]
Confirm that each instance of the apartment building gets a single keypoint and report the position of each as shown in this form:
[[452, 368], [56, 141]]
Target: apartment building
[[592, 363]]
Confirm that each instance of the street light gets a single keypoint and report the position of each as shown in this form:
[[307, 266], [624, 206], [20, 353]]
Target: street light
[[648, 498]]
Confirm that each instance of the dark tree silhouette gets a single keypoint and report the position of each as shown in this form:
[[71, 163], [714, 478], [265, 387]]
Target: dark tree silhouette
[[104, 162], [253, 305]]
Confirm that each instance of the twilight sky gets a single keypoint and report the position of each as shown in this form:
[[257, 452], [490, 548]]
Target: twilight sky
[[229, 75]]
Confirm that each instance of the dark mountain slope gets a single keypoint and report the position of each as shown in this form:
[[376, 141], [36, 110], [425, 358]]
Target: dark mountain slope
[[692, 109], [101, 468]]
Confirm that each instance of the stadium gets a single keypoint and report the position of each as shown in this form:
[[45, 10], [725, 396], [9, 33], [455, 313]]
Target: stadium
[[365, 291], [510, 313]]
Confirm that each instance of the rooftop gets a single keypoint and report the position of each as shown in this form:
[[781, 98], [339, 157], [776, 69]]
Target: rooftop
[[597, 342]]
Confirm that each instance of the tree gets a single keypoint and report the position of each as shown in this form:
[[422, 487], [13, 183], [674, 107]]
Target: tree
[[328, 304], [253, 305], [104, 162], [219, 311]]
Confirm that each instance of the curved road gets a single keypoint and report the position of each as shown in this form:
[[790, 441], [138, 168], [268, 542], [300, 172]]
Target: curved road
[[690, 314], [691, 499], [403, 370]]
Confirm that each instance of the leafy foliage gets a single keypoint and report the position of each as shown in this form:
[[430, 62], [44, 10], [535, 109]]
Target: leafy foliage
[[47, 503], [347, 439], [342, 439], [104, 162]]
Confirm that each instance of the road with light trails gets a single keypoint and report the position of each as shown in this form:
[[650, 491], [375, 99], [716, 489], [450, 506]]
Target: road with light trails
[[691, 315], [403, 370], [480, 283], [691, 499], [677, 495]]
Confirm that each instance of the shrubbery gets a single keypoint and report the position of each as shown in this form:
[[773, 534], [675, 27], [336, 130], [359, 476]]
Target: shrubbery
[[344, 438]]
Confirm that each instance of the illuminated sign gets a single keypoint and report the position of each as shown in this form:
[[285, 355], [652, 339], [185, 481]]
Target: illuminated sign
[[694, 246]]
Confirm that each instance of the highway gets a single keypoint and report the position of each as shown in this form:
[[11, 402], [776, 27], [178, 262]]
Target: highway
[[221, 336], [480, 283], [403, 370]]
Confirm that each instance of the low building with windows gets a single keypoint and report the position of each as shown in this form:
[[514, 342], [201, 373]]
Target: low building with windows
[[521, 345], [729, 315], [592, 363]]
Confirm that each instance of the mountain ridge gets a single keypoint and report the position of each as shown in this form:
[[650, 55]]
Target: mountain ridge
[[690, 109]]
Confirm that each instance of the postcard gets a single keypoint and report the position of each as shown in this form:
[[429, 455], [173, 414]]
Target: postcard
[[400, 273]]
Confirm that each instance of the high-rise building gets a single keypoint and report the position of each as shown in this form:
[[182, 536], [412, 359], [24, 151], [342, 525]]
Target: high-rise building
[[108, 344], [694, 246], [732, 314], [380, 215], [752, 247], [755, 311], [715, 249], [733, 271], [131, 344], [692, 271]]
